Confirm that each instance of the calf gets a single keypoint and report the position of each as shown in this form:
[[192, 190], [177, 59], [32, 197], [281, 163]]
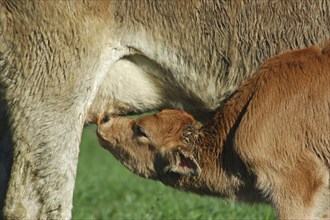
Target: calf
[[268, 143]]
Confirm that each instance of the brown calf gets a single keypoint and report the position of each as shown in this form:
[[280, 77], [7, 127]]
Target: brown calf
[[270, 142]]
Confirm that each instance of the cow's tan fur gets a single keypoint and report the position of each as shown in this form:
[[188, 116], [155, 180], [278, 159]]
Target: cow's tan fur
[[64, 62], [269, 142]]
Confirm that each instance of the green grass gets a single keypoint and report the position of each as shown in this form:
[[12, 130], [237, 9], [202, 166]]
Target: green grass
[[106, 190]]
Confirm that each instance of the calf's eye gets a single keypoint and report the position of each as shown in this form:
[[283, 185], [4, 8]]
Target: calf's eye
[[138, 131], [105, 119]]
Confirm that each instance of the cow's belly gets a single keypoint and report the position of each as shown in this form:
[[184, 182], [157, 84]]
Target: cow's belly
[[133, 86]]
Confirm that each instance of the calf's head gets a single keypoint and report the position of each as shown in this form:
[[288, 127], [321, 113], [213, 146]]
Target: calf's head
[[152, 145]]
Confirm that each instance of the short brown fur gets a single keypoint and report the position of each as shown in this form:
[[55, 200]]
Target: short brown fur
[[270, 142]]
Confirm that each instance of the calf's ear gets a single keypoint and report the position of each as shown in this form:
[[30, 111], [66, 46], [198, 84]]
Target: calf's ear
[[182, 161]]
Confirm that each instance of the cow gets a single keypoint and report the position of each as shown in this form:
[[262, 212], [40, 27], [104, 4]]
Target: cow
[[269, 142], [62, 63]]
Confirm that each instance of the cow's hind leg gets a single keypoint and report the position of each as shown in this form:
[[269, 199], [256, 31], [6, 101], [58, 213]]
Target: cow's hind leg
[[45, 158]]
